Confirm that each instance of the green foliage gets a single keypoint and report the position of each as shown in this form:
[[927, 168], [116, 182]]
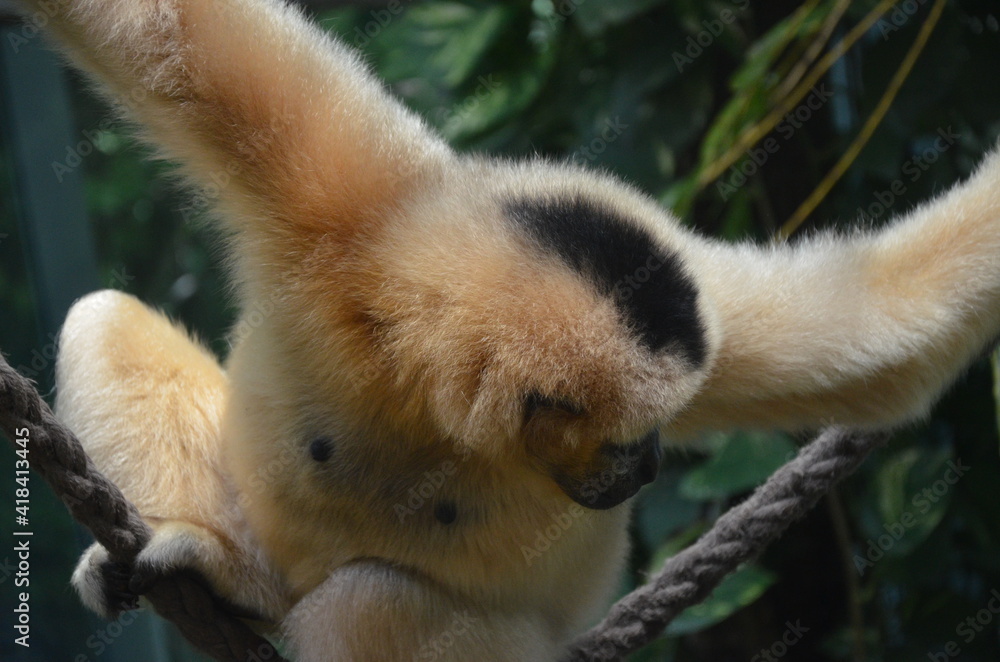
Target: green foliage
[[735, 592], [657, 92], [740, 461]]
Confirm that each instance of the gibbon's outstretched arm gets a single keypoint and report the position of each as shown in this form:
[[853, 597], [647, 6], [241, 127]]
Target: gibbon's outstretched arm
[[272, 121], [864, 329]]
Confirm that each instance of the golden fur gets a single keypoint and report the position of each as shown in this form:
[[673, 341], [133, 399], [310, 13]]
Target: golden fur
[[408, 321]]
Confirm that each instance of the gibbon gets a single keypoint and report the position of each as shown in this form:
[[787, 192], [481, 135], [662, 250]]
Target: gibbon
[[506, 341]]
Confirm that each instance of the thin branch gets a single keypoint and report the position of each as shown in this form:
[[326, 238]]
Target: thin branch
[[855, 603], [816, 47], [868, 129], [755, 133]]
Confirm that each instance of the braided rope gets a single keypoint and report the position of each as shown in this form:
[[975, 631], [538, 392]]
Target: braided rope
[[95, 502], [737, 537]]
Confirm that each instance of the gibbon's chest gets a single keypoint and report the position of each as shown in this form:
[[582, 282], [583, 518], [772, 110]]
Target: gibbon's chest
[[481, 527]]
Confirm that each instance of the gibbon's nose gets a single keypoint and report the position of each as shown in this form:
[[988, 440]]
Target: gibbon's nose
[[617, 473]]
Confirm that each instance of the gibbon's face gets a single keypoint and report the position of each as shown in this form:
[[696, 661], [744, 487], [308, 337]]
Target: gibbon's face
[[533, 314], [648, 321]]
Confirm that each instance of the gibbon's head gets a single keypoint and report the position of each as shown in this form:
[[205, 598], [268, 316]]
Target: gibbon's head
[[532, 314], [567, 327]]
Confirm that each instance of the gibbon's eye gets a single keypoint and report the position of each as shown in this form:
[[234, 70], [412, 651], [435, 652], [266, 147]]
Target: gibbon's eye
[[535, 401], [320, 448]]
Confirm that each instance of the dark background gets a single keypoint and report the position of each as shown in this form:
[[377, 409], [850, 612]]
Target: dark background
[[656, 92]]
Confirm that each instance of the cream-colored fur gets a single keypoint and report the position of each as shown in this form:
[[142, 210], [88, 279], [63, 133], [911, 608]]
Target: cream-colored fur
[[148, 402], [409, 321]]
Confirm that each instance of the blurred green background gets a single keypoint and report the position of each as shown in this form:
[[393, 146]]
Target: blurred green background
[[895, 563]]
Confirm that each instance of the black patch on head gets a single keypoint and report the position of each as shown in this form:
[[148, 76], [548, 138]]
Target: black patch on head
[[445, 512], [646, 281], [321, 448]]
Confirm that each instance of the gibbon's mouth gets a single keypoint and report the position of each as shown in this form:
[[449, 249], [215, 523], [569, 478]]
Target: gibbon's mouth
[[615, 473]]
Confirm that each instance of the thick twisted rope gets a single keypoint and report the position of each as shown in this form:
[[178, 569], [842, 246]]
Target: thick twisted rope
[[94, 501], [737, 537]]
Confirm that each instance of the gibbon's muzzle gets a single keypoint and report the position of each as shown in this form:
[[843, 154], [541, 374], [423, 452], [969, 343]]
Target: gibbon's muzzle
[[615, 473]]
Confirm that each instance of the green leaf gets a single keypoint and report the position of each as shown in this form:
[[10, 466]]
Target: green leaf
[[893, 489], [674, 545], [441, 41], [745, 460], [762, 56], [738, 222], [463, 51], [680, 195], [662, 510], [495, 98], [736, 591], [753, 85], [912, 496]]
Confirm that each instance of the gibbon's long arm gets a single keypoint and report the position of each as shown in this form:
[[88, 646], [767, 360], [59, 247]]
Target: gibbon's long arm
[[865, 329], [274, 121]]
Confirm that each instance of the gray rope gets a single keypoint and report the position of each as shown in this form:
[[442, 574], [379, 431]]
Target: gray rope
[[737, 537]]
